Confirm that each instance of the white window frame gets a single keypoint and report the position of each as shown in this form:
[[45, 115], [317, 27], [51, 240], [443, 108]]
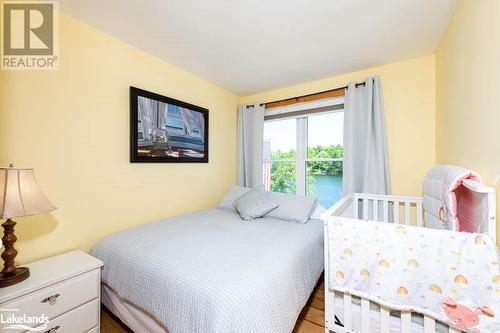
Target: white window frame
[[302, 135]]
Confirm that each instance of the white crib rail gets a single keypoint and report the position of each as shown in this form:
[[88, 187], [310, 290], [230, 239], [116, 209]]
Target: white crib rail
[[388, 208], [382, 208], [365, 321]]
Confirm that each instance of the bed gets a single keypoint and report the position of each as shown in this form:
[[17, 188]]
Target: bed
[[209, 271]]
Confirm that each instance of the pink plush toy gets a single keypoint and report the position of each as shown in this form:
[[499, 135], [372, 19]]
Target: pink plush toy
[[464, 317]]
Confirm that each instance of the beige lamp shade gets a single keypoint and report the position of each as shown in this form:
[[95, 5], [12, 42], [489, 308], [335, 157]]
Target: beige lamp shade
[[20, 194]]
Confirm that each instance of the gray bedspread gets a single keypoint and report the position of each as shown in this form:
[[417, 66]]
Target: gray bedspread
[[210, 271]]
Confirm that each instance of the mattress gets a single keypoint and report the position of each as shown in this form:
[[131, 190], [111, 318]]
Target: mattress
[[210, 271], [417, 321]]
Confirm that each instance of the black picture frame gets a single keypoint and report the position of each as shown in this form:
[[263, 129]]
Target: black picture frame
[[135, 136]]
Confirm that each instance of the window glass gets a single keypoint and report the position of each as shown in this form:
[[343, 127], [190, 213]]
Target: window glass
[[324, 179], [325, 135], [324, 151], [280, 153], [322, 156], [282, 177], [280, 139]]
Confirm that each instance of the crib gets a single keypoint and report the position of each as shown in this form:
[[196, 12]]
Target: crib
[[346, 313]]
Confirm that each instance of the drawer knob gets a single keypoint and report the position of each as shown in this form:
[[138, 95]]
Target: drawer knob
[[51, 300], [52, 330]]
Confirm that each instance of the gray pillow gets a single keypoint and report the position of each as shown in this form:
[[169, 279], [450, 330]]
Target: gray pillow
[[254, 204], [234, 193], [293, 208]]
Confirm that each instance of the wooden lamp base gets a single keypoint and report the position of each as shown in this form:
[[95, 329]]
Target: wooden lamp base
[[20, 274], [11, 274]]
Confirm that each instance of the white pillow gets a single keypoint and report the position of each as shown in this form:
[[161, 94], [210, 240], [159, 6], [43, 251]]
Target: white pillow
[[234, 193], [293, 208], [254, 204], [317, 212]]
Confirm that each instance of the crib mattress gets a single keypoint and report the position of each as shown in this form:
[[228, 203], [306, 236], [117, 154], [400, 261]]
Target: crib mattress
[[417, 321]]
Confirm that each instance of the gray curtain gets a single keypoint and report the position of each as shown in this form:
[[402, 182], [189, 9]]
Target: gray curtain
[[250, 142], [366, 160]]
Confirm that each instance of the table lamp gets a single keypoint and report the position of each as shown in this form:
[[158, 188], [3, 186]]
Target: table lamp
[[19, 196]]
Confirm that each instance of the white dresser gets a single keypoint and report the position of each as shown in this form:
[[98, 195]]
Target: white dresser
[[62, 293]]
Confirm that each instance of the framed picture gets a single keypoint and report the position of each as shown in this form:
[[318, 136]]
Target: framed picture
[[165, 130]]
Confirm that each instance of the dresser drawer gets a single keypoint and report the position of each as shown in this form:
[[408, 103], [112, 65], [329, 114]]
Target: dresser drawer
[[57, 299], [79, 320]]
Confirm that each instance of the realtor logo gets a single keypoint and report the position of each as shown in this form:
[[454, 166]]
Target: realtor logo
[[30, 35], [12, 319]]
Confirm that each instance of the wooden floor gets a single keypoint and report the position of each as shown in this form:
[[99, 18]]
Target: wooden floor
[[311, 320]]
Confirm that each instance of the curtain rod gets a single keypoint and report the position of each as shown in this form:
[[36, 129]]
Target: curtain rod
[[321, 92]]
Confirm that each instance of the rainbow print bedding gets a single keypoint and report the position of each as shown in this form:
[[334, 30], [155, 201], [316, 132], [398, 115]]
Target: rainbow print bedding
[[450, 276]]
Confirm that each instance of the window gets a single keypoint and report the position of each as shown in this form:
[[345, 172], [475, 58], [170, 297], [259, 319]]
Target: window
[[303, 154], [280, 156], [324, 157]]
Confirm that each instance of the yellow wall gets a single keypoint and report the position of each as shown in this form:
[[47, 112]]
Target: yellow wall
[[409, 96], [72, 126], [468, 90]]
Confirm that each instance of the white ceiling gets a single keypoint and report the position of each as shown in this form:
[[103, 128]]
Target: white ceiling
[[257, 45]]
